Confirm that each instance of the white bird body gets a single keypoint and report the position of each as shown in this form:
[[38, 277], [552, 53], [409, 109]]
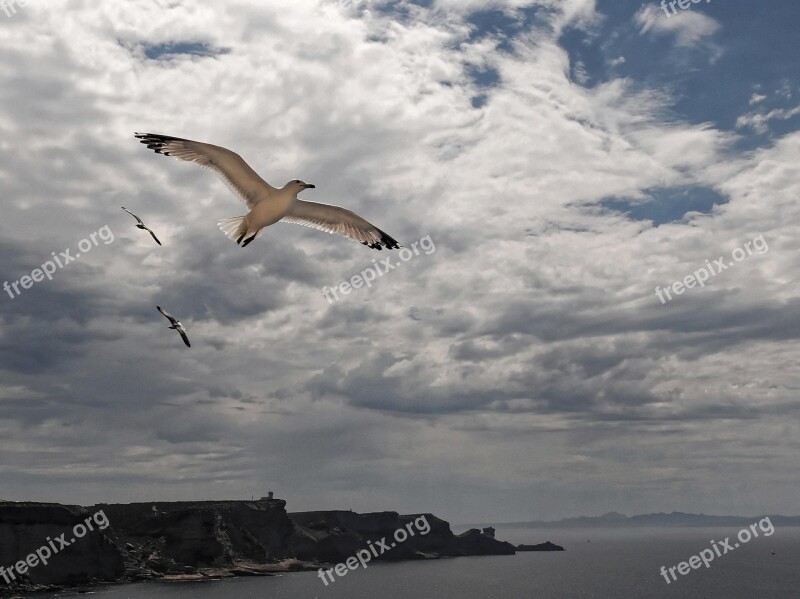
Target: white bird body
[[267, 204], [273, 209]]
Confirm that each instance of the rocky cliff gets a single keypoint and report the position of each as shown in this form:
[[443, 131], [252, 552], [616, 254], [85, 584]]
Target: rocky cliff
[[184, 537], [333, 536], [39, 547], [202, 539]]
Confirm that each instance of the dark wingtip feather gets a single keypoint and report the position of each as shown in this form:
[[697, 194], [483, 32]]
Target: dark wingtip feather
[[389, 242], [156, 142]]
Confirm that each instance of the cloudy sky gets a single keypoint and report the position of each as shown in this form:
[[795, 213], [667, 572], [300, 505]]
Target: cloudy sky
[[566, 158]]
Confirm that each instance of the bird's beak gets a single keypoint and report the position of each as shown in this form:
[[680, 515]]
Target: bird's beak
[[310, 186]]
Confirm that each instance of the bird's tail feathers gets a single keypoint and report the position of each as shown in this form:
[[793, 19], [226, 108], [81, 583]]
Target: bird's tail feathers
[[234, 228]]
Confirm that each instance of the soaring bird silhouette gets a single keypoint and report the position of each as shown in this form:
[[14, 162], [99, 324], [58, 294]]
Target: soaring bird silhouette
[[141, 225], [176, 324]]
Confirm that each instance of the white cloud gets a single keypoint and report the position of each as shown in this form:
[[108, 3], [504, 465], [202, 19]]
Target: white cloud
[[760, 121], [688, 26]]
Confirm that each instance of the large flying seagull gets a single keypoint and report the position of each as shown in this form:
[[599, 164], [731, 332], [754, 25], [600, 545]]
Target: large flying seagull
[[267, 204]]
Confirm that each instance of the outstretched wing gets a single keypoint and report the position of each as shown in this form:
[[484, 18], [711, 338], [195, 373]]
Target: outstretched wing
[[169, 316], [182, 331], [154, 236], [229, 166], [133, 215], [336, 220]]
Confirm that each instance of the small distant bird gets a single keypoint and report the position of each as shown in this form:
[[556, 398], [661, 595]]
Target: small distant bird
[[267, 204], [176, 324], [141, 225]]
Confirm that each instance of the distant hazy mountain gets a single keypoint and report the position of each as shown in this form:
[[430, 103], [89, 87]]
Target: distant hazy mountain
[[674, 519]]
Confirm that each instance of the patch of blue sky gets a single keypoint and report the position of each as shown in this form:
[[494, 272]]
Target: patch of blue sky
[[505, 25], [171, 49], [667, 205], [399, 9], [712, 80]]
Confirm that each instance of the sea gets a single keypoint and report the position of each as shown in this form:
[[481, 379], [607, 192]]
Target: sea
[[597, 564]]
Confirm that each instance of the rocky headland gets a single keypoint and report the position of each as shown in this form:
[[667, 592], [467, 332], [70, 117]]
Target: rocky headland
[[202, 540], [546, 546]]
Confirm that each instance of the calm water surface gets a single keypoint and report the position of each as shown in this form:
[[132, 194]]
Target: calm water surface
[[614, 564]]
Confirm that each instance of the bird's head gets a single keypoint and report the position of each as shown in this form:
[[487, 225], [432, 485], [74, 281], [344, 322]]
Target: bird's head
[[297, 186]]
